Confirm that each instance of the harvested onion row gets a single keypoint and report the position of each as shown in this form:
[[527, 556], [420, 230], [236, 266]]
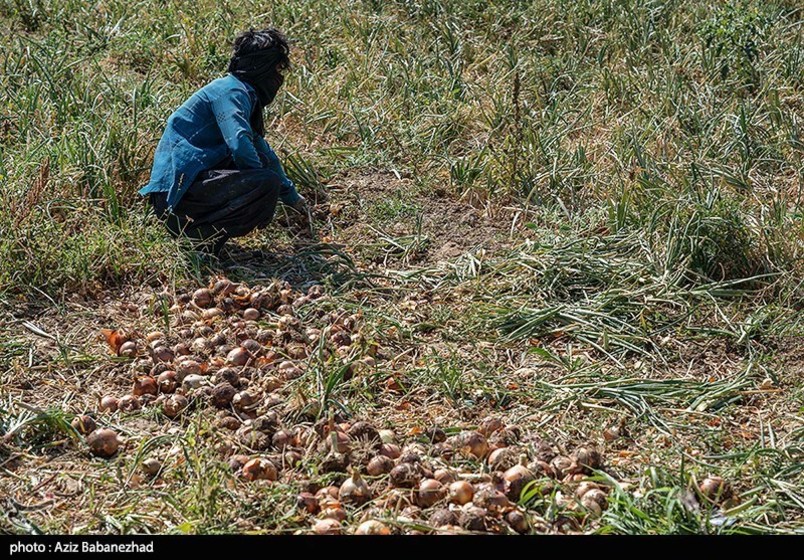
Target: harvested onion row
[[232, 351]]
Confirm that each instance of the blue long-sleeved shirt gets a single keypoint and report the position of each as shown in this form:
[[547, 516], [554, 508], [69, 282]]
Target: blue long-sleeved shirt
[[211, 125]]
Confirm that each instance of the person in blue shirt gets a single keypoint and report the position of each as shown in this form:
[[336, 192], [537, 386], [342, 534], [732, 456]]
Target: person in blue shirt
[[214, 176]]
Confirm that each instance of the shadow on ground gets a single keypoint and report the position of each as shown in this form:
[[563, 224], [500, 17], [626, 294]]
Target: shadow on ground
[[301, 264]]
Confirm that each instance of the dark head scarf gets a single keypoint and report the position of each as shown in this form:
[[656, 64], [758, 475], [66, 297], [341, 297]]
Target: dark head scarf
[[259, 69]]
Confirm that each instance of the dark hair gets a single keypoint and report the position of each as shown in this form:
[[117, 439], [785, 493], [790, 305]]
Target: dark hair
[[270, 38]]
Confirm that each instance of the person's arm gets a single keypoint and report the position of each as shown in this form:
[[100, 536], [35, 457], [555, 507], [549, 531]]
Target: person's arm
[[232, 110], [287, 194]]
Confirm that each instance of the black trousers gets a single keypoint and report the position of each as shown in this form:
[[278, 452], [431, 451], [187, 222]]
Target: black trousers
[[221, 203]]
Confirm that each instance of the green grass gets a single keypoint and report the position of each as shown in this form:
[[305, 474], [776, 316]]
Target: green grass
[[651, 151]]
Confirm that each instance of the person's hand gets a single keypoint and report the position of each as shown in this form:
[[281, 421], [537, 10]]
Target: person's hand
[[302, 217]]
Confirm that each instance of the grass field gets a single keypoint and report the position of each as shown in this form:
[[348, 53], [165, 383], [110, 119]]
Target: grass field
[[582, 217]]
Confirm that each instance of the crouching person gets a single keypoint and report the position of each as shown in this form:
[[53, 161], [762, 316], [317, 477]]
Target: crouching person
[[214, 176]]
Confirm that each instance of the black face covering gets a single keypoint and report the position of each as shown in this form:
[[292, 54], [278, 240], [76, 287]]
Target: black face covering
[[258, 69]]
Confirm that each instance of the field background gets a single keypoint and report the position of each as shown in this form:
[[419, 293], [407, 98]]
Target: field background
[[584, 216]]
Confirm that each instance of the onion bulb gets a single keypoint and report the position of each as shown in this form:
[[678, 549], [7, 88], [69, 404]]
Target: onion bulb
[[174, 405], [332, 509], [334, 461], [144, 386], [167, 381], [307, 502], [517, 479], [251, 314], [251, 346], [163, 354], [372, 527], [441, 517], [129, 403], [222, 395], [238, 357], [327, 492], [103, 442], [202, 297], [154, 335], [83, 424], [223, 286], [473, 443], [354, 490], [444, 476], [259, 469], [379, 465], [128, 349], [327, 527], [587, 458], [517, 521], [187, 367], [490, 425], [595, 501], [387, 436], [472, 518], [715, 489], [430, 492], [151, 466], [562, 466], [109, 404], [503, 458], [390, 450], [488, 497], [461, 492], [404, 475], [585, 487], [245, 400]]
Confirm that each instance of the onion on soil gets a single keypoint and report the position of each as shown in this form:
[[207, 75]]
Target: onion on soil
[[109, 404], [167, 382], [129, 403], [103, 442], [379, 465], [145, 386], [461, 492], [151, 466], [372, 527], [431, 492], [517, 478], [327, 527], [404, 475], [715, 489], [174, 405], [354, 490], [259, 468], [83, 424]]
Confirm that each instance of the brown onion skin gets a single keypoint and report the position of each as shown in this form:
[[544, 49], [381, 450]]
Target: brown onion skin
[[715, 489], [109, 404], [84, 424], [103, 442], [372, 527], [354, 490], [144, 386], [444, 476], [308, 503], [517, 521], [175, 405], [166, 381], [379, 465], [461, 492], [430, 493], [327, 527]]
